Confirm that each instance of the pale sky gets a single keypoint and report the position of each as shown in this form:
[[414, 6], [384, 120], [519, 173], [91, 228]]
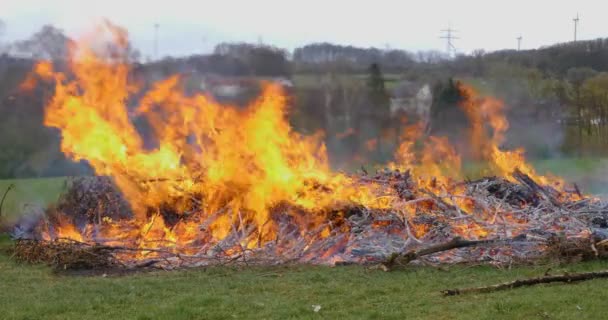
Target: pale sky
[[188, 26]]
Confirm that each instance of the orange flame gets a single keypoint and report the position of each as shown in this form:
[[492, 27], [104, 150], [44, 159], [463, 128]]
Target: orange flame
[[240, 162]]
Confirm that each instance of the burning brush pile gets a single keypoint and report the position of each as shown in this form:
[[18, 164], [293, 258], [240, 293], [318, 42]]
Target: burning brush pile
[[227, 185]]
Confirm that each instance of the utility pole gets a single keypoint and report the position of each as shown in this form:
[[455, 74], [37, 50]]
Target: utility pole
[[156, 27], [448, 34], [575, 26], [519, 43]]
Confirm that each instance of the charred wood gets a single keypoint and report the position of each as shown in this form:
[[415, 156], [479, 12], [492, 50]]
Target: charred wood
[[535, 187]]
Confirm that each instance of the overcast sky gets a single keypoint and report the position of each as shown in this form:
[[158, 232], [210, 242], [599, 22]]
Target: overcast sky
[[193, 26]]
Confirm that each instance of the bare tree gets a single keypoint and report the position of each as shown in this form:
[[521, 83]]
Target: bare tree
[[48, 43], [261, 60], [431, 56]]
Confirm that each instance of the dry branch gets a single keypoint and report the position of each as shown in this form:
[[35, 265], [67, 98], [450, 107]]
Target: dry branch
[[407, 257], [442, 204], [567, 277], [535, 187], [9, 188]]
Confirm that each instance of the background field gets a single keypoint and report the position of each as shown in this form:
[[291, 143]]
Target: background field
[[29, 194]]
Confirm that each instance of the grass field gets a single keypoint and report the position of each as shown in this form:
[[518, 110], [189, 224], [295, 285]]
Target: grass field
[[34, 292]]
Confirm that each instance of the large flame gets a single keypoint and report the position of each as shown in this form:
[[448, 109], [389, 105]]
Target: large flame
[[236, 163]]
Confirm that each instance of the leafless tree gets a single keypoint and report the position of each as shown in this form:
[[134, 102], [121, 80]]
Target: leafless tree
[[48, 43]]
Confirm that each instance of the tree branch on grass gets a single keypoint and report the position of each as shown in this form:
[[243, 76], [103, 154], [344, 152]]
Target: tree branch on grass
[[406, 257], [567, 277], [9, 188]]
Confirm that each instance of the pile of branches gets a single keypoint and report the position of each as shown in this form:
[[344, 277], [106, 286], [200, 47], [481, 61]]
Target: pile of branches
[[90, 199], [541, 223], [65, 254], [524, 222]]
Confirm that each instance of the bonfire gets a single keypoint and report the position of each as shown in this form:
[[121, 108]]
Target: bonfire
[[228, 185]]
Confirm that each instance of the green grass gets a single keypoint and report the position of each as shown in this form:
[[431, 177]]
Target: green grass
[[29, 192], [571, 166], [591, 174], [34, 292]]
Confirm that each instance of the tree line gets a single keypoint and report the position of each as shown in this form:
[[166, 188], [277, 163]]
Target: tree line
[[564, 86]]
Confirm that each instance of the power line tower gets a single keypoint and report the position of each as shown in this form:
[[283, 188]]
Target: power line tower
[[448, 34], [576, 20], [519, 42]]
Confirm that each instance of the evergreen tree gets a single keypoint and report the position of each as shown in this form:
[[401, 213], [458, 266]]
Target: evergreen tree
[[378, 96]]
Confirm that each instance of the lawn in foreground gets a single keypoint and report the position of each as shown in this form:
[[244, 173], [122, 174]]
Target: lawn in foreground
[[287, 292], [33, 292]]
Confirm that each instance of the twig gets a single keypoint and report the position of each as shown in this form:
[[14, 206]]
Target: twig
[[567, 277], [9, 188], [440, 203]]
